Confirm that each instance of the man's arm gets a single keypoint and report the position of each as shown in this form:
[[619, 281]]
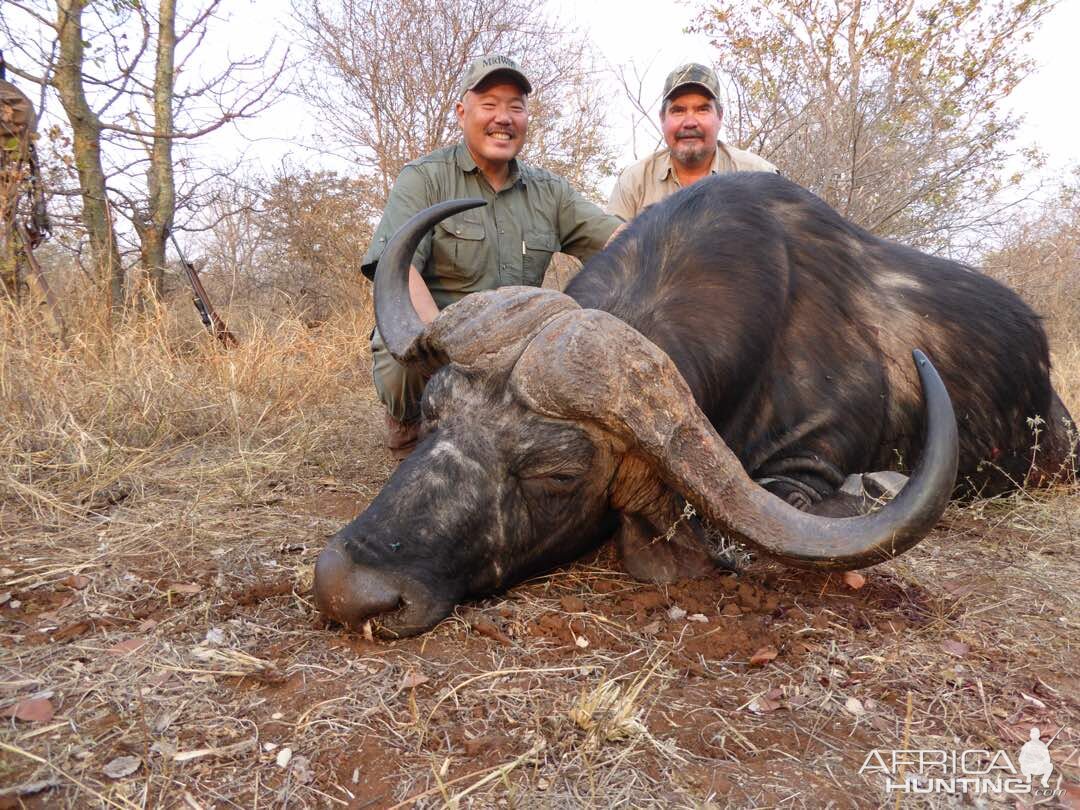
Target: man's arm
[[584, 229], [624, 202]]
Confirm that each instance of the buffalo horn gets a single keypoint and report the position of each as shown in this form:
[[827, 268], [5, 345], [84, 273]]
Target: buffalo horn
[[400, 326], [592, 366]]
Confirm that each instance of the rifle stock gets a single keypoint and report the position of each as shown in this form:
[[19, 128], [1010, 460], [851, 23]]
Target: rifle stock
[[211, 320], [51, 305]]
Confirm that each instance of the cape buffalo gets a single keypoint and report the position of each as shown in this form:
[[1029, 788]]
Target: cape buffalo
[[740, 346]]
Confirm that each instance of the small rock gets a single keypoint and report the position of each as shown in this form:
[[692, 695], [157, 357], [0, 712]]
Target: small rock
[[675, 613], [284, 757]]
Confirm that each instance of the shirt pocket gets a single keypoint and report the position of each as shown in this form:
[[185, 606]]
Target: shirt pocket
[[458, 253], [539, 248]]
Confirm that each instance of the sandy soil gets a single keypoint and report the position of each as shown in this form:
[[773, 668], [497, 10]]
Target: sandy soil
[[172, 636]]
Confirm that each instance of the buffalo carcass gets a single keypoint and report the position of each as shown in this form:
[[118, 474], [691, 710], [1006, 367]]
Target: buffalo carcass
[[739, 331]]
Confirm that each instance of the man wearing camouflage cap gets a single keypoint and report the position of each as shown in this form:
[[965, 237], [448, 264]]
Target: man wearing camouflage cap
[[690, 117], [531, 214]]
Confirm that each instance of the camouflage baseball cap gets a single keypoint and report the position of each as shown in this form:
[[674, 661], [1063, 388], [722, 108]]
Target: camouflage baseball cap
[[483, 67], [691, 74]]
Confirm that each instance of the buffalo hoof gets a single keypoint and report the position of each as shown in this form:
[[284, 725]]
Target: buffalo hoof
[[649, 554]]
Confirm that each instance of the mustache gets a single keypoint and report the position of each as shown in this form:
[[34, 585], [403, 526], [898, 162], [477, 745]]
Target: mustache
[[689, 133]]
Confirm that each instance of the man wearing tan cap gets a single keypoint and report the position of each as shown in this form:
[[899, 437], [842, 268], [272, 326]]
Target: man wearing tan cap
[[531, 214], [690, 117]]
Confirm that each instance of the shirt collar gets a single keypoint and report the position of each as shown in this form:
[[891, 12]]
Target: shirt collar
[[466, 163], [664, 167]]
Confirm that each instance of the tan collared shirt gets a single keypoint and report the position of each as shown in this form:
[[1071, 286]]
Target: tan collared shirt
[[650, 180]]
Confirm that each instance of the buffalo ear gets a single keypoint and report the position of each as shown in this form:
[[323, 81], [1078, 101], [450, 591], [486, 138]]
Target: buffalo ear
[[649, 555]]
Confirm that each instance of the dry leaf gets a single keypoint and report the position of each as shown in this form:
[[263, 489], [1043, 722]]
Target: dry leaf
[[761, 705], [71, 631], [76, 582], [763, 656], [215, 636], [698, 617], [960, 586], [159, 680], [413, 679], [4, 597], [486, 627], [191, 587], [957, 648], [651, 629], [572, 604], [854, 706], [1033, 700], [128, 646], [854, 580], [121, 767], [31, 710]]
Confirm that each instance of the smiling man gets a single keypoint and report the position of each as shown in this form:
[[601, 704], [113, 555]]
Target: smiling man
[[690, 117], [531, 214]]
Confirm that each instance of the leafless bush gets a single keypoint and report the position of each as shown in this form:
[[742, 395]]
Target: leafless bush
[[385, 75]]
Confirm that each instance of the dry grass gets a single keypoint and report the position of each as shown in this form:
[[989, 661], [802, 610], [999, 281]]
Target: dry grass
[[161, 504]]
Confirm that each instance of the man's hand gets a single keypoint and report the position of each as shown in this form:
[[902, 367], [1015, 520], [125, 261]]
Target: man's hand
[[616, 232], [421, 298]]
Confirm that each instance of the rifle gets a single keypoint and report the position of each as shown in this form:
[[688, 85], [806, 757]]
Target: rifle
[[211, 320], [51, 306]]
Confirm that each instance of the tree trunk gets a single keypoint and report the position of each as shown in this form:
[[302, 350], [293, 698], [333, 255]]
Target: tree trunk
[[160, 182], [86, 136]]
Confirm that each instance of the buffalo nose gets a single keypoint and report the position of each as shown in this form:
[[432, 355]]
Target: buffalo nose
[[350, 593]]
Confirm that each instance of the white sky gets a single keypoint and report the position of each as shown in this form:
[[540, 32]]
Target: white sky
[[650, 35]]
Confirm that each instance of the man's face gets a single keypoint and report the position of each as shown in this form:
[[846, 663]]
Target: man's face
[[494, 120], [691, 125]]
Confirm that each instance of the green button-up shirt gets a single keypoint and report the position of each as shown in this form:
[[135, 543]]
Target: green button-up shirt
[[508, 241]]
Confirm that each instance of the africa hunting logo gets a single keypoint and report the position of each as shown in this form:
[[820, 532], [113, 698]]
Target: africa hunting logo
[[973, 771]]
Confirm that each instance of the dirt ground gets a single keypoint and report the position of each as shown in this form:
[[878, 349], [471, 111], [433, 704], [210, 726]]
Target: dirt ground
[[159, 648]]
